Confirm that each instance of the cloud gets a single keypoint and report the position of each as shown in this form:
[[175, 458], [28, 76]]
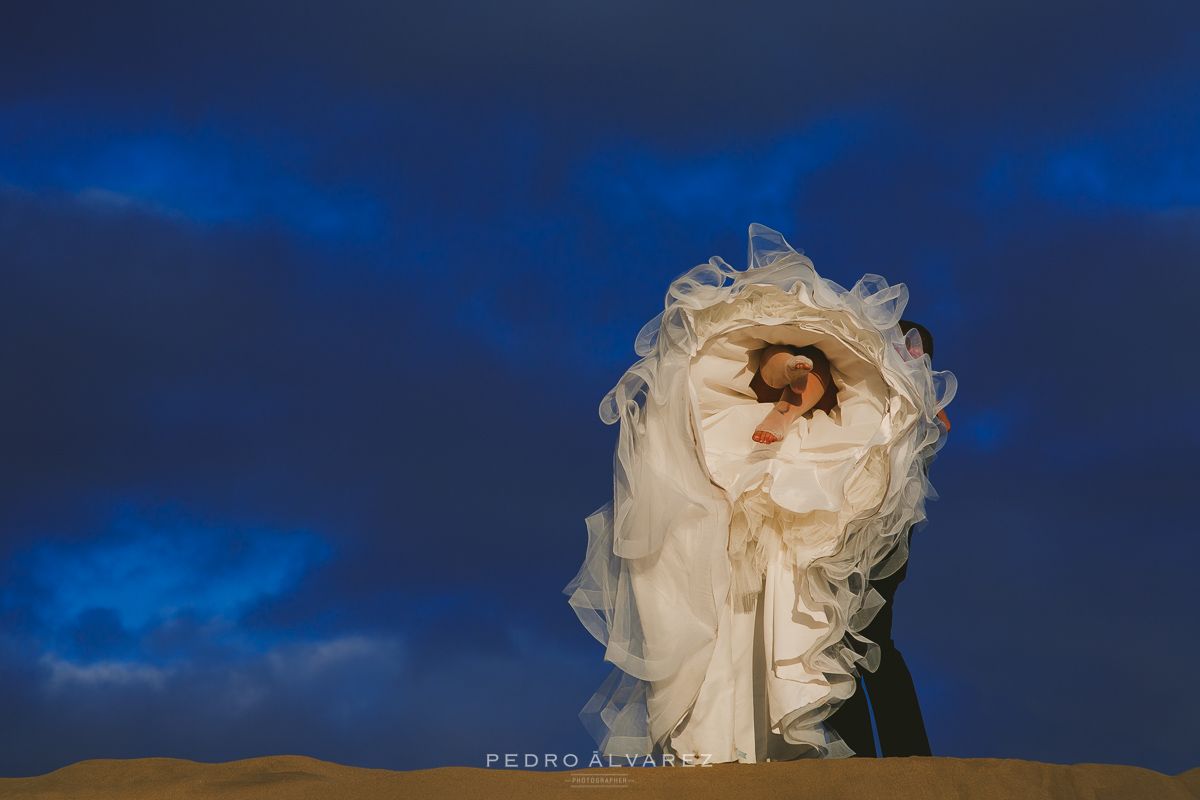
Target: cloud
[[640, 184], [1100, 179], [147, 576], [102, 675], [218, 178], [372, 700]]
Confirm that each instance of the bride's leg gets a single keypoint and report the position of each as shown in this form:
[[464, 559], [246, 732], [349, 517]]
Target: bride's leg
[[781, 417], [791, 405]]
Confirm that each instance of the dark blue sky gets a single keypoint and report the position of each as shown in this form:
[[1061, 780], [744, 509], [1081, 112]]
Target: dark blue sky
[[306, 311]]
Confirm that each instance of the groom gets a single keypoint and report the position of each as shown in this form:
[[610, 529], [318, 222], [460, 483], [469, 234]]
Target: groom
[[893, 698]]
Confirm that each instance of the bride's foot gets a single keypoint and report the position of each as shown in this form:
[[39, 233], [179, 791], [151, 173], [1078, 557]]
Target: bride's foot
[[772, 428], [796, 372], [780, 367]]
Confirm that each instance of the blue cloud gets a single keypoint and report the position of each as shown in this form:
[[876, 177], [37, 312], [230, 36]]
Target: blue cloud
[[1095, 177], [758, 181], [216, 178], [139, 576], [1146, 170]]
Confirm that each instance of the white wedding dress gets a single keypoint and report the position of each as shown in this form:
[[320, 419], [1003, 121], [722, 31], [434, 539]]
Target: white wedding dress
[[728, 578]]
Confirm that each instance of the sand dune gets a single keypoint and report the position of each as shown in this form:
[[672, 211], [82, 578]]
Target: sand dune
[[288, 777]]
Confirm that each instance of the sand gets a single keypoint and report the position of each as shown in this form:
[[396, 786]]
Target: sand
[[287, 777]]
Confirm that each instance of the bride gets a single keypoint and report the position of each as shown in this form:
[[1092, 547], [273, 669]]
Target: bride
[[773, 447]]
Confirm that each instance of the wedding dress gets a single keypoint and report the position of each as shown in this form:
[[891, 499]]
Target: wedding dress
[[727, 578]]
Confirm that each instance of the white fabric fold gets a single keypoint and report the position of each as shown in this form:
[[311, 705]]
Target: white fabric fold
[[715, 546]]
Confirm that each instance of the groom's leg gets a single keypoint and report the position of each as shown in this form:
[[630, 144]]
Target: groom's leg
[[898, 717], [897, 712], [852, 721]]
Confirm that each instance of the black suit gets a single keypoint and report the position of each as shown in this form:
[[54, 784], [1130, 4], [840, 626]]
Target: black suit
[[890, 688]]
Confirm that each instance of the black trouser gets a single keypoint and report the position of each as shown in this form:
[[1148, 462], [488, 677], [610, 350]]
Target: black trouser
[[890, 688]]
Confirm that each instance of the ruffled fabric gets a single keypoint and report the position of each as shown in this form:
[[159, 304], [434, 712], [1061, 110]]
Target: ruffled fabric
[[705, 524]]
